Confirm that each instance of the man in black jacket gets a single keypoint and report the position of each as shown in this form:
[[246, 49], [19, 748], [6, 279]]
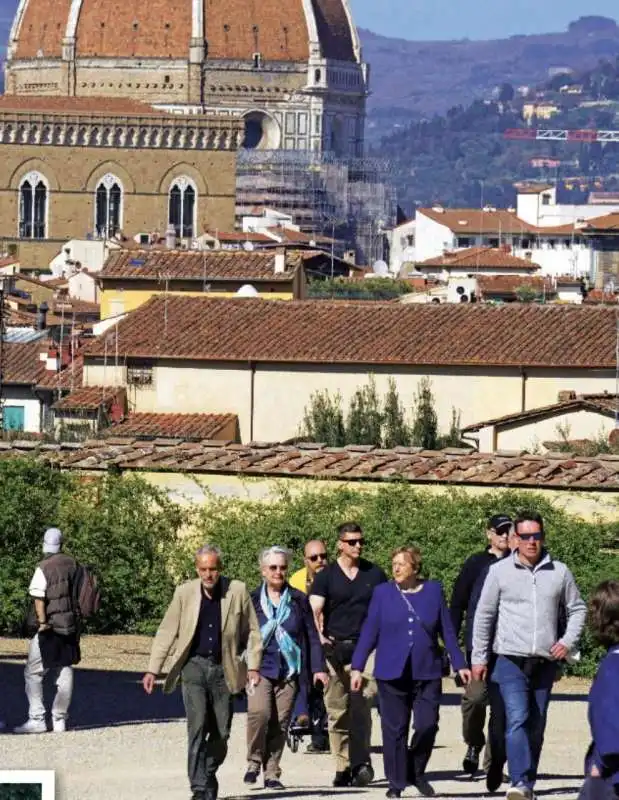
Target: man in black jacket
[[466, 594]]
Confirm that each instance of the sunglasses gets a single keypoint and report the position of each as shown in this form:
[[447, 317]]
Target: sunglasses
[[354, 542], [276, 567], [316, 556], [531, 537], [501, 533]]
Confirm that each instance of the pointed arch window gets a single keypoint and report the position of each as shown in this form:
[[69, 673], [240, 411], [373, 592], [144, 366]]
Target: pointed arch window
[[33, 206], [108, 207], [182, 208]]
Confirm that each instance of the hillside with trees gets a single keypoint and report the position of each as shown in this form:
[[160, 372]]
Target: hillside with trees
[[462, 158]]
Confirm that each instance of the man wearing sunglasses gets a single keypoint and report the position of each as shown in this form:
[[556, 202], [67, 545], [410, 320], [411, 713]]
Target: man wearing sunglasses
[[464, 599], [310, 702], [315, 559], [518, 620], [340, 598]]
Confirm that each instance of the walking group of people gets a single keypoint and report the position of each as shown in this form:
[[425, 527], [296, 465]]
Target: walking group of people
[[341, 633]]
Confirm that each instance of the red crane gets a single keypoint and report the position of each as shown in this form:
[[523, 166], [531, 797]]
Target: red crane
[[587, 135]]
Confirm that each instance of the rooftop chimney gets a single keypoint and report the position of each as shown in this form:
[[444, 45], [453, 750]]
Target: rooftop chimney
[[280, 260], [170, 238], [42, 316]]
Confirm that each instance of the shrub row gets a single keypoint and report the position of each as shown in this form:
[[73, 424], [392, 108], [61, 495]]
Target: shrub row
[[131, 533]]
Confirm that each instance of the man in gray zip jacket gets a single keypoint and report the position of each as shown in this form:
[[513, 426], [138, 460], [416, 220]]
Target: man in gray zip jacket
[[519, 606]]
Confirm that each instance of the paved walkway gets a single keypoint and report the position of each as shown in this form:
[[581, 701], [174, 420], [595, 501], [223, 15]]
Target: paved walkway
[[131, 747]]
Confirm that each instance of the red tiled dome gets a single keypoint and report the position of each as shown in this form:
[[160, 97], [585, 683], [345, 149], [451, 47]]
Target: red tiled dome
[[280, 30]]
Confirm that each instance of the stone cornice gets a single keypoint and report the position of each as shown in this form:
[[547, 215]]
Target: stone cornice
[[157, 131]]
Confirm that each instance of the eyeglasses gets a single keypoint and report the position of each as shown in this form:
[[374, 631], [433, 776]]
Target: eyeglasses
[[531, 537], [276, 567], [354, 542], [316, 556]]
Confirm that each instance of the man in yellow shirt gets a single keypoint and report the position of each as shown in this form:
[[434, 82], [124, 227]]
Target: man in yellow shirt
[[315, 559]]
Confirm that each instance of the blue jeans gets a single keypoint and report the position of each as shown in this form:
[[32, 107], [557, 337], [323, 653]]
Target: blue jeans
[[526, 699]]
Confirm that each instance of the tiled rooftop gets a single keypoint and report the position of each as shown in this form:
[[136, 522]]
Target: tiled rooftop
[[599, 403], [414, 465], [183, 426], [205, 265], [89, 398], [508, 284], [474, 257], [340, 332], [76, 105], [22, 363], [502, 222]]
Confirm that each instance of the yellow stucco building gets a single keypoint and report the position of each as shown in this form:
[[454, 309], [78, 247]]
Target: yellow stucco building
[[131, 277], [263, 361]]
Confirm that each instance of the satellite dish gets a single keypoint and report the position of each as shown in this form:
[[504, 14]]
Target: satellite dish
[[380, 268], [247, 290], [249, 246]]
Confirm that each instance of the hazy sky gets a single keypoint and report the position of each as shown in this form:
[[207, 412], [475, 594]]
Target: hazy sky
[[473, 19]]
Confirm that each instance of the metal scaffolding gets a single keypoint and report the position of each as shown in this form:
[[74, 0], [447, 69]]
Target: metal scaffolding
[[351, 199]]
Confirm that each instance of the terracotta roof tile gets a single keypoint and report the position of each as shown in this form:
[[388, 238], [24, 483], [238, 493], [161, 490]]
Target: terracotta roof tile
[[208, 265], [120, 106], [22, 362], [89, 398], [521, 334], [606, 404], [234, 29], [501, 222], [181, 426], [502, 285], [552, 471], [240, 236], [480, 257], [609, 223], [67, 378]]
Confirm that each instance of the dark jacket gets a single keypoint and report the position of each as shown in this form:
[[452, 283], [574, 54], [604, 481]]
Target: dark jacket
[[467, 591], [397, 635], [604, 720], [301, 627], [59, 570]]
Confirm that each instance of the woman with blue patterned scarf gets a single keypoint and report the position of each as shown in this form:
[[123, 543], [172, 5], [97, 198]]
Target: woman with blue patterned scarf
[[290, 646]]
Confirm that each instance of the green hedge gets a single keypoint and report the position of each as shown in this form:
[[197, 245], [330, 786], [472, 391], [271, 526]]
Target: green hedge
[[131, 533], [448, 527], [126, 529]]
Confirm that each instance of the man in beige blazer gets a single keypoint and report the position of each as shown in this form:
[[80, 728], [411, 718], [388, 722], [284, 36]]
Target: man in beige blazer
[[212, 629]]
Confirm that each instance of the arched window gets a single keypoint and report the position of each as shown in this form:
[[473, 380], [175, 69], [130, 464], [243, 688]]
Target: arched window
[[33, 200], [108, 207], [182, 208]]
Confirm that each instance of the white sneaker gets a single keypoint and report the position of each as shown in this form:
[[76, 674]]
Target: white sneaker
[[32, 726], [519, 792], [59, 725]]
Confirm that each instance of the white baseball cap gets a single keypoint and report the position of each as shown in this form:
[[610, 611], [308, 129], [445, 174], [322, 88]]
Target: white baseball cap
[[52, 540]]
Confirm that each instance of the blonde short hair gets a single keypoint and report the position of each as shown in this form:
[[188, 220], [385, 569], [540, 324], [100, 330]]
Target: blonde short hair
[[412, 553]]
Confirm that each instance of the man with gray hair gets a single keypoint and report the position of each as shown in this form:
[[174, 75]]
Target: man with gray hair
[[212, 628], [55, 645]]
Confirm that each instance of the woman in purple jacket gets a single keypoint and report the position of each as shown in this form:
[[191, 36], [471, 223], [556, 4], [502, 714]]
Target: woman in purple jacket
[[602, 761], [405, 619]]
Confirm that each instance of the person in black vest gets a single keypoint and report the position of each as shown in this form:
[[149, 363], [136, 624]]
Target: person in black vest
[[464, 599], [340, 598], [55, 645]]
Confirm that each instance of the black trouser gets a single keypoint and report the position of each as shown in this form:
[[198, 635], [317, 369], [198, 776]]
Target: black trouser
[[477, 696], [208, 705], [398, 699]]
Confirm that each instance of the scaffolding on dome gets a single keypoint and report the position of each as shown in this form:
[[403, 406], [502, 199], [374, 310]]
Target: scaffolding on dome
[[349, 199]]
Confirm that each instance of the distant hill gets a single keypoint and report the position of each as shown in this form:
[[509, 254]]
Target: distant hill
[[415, 79]]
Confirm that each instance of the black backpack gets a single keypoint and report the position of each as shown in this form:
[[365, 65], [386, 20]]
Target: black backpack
[[86, 592]]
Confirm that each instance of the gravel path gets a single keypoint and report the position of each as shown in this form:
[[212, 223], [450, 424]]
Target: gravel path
[[126, 746]]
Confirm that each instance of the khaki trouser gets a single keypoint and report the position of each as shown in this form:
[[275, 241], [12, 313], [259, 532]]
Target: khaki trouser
[[34, 674], [337, 701], [268, 715]]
